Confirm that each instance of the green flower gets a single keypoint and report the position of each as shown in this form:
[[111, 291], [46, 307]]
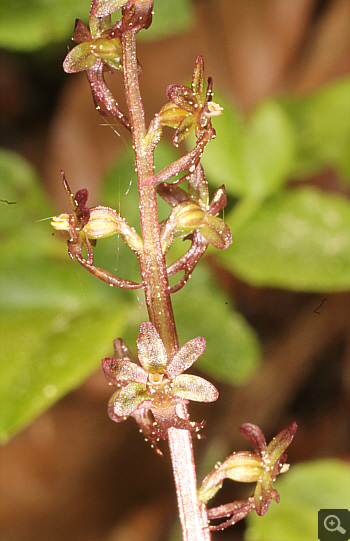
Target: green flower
[[261, 467], [188, 109], [93, 47], [86, 225], [152, 392]]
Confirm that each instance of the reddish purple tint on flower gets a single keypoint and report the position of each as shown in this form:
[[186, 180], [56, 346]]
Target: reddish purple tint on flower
[[153, 392], [188, 109], [193, 216], [137, 14], [261, 467], [86, 225]]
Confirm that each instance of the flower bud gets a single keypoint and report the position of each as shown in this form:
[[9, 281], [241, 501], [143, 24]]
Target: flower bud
[[104, 222], [189, 216]]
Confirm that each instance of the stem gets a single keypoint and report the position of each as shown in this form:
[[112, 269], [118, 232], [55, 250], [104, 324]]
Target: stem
[[155, 280]]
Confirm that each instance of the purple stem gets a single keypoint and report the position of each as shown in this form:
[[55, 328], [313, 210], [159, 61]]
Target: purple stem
[[155, 282]]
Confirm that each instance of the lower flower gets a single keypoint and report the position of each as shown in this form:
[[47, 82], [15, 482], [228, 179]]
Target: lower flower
[[156, 393]]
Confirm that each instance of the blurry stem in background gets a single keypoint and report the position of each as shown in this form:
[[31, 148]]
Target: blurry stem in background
[[154, 276]]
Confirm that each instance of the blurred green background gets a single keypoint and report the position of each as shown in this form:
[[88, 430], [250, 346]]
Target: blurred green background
[[273, 307]]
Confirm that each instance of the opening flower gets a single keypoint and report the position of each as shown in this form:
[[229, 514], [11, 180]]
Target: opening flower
[[193, 215], [98, 50], [261, 467], [93, 46], [193, 211], [154, 392], [86, 225], [188, 109]]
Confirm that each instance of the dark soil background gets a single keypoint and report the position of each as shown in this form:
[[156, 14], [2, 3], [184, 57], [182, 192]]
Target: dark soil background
[[73, 474]]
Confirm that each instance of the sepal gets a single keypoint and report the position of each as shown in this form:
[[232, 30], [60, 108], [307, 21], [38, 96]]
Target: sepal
[[151, 350], [185, 357], [118, 371], [194, 388], [129, 398]]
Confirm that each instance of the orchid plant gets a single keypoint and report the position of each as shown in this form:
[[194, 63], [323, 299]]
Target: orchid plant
[[155, 392]]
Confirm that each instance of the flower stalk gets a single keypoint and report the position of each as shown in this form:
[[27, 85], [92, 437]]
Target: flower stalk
[[152, 388], [155, 280]]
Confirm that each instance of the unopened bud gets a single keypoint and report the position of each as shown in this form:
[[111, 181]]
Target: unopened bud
[[104, 222], [189, 216]]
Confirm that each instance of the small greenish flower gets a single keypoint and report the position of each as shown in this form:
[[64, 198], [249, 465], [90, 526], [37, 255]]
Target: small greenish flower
[[188, 109], [86, 225], [193, 212], [261, 467], [152, 392], [93, 46]]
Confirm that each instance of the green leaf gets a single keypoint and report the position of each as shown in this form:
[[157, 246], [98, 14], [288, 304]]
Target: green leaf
[[169, 18], [57, 320], [201, 309], [26, 25], [298, 240], [45, 353], [322, 125], [252, 158], [223, 159], [306, 488], [269, 150]]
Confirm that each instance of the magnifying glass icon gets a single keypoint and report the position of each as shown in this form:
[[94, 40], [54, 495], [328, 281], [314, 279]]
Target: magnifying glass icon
[[332, 524]]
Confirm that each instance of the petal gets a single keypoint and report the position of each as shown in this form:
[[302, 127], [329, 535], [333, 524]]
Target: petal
[[279, 444], [81, 197], [81, 33], [171, 194], [263, 494], [79, 59], [194, 388], [185, 128], [197, 78], [209, 92], [218, 202], [198, 188], [121, 351], [216, 232], [255, 436], [112, 415], [151, 350], [185, 357], [129, 398], [183, 97], [117, 370]]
